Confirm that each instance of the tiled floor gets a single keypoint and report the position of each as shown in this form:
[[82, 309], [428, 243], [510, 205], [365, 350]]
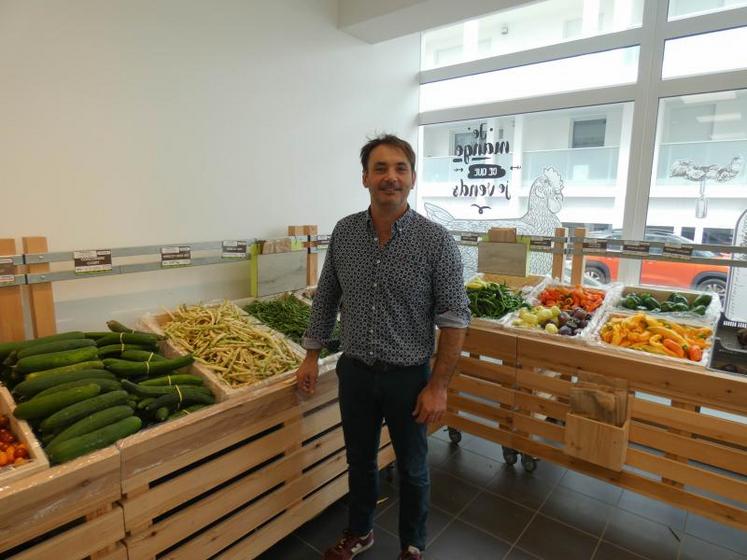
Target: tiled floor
[[483, 509]]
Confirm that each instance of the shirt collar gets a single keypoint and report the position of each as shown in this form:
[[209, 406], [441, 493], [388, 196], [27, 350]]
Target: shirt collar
[[401, 224]]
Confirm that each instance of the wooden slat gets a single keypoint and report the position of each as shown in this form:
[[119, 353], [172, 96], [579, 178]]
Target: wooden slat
[[495, 414], [696, 449], [486, 342], [683, 382], [548, 407], [480, 388], [578, 259], [81, 541], [729, 487], [312, 259], [119, 552], [695, 422], [11, 308], [505, 375], [539, 382], [542, 428], [41, 297], [558, 259]]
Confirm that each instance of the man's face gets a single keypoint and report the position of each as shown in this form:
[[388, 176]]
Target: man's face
[[389, 177]]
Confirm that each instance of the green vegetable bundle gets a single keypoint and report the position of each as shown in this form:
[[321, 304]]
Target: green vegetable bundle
[[489, 299], [676, 302]]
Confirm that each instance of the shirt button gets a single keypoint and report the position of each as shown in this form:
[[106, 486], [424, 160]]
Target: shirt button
[[373, 308], [375, 284], [378, 261], [370, 331], [370, 353]]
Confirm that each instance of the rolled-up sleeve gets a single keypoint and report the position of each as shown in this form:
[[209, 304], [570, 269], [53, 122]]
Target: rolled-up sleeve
[[326, 303], [450, 294]]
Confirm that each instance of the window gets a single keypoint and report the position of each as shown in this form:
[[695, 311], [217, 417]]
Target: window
[[688, 8], [588, 134], [688, 233], [718, 236], [708, 53]]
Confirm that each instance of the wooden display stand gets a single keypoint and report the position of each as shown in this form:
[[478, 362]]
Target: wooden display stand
[[37, 459]]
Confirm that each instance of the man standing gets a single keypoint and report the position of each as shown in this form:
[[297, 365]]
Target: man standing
[[393, 275]]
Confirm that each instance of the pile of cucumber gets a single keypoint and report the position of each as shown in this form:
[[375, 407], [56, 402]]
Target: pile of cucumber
[[84, 391]]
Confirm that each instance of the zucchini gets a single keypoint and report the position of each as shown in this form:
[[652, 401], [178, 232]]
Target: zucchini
[[58, 346], [117, 327], [142, 356], [158, 390], [117, 349], [93, 422], [31, 387], [44, 406], [97, 439], [107, 385], [179, 399], [177, 379], [7, 347], [79, 410], [57, 359], [132, 369], [186, 411], [147, 339]]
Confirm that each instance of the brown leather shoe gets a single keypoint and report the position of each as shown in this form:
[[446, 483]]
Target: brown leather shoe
[[349, 546], [411, 553]]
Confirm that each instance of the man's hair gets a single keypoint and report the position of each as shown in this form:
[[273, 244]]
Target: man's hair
[[389, 140]]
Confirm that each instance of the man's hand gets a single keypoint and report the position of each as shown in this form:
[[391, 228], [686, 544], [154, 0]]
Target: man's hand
[[431, 404], [308, 372]]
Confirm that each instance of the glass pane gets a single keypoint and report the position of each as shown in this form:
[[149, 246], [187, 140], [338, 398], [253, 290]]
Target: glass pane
[[688, 8], [589, 71], [527, 27], [522, 171], [700, 182], [705, 54]]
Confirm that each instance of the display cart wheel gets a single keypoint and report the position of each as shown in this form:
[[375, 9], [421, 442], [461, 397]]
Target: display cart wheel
[[510, 455], [529, 463], [455, 435]]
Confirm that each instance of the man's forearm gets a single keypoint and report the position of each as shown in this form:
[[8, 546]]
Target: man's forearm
[[450, 344]]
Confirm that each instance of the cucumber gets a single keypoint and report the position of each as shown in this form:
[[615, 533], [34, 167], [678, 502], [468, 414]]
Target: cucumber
[[117, 327], [177, 379], [93, 364], [79, 410], [31, 387], [107, 385], [158, 390], [142, 356], [58, 346], [162, 414], [95, 335], [93, 422], [147, 339], [131, 369], [143, 403], [45, 406], [7, 347], [184, 397], [97, 439], [56, 359], [117, 349], [186, 411]]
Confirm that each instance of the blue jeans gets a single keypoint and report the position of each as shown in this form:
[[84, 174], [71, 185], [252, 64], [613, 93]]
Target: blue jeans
[[369, 395]]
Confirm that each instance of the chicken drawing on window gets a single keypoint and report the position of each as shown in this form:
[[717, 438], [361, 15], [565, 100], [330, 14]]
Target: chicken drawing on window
[[545, 201]]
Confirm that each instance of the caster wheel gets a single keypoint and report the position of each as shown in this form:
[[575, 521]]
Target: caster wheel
[[529, 463], [455, 435], [510, 456]]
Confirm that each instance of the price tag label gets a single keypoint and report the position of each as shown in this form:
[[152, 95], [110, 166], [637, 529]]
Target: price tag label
[[637, 247], [234, 250], [98, 260], [7, 271], [600, 245], [547, 243], [469, 238], [178, 255], [677, 251]]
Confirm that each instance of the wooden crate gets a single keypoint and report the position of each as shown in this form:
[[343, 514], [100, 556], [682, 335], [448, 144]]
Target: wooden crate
[[68, 511], [38, 459], [680, 452], [603, 444], [235, 478]]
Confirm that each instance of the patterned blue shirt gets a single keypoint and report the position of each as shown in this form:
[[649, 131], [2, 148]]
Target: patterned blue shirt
[[389, 297]]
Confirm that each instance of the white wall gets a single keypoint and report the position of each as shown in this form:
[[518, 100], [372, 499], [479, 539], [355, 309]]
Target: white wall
[[133, 122]]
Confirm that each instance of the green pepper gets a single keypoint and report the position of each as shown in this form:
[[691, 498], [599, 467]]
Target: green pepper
[[677, 297], [681, 307], [700, 309], [631, 302], [667, 306], [703, 299], [651, 303]]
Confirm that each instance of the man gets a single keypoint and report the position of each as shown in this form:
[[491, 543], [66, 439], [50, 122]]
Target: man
[[394, 275]]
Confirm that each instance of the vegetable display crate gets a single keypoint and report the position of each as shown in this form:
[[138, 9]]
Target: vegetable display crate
[[221, 388], [68, 511], [688, 445], [233, 479], [37, 459], [710, 314]]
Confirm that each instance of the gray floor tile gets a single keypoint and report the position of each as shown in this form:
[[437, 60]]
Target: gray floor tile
[[577, 510], [696, 549], [439, 451], [642, 536], [653, 509], [290, 548], [607, 551], [716, 533], [551, 540], [450, 493], [592, 487], [481, 446], [519, 486], [386, 547], [498, 516], [326, 528], [519, 554], [437, 520], [471, 467], [461, 542]]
